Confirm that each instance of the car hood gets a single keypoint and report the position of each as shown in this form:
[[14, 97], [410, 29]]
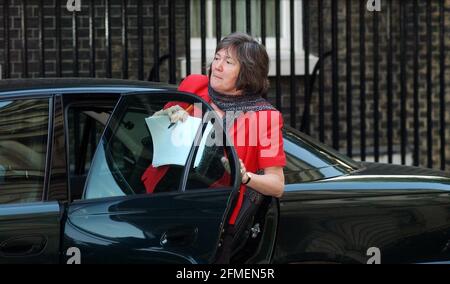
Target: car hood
[[378, 176], [388, 176], [398, 170]]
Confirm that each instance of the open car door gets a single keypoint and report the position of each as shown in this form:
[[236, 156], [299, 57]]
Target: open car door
[[135, 209]]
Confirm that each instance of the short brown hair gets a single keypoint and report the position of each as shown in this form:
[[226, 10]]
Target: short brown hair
[[253, 59]]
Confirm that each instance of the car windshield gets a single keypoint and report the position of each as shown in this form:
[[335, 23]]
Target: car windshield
[[323, 154]]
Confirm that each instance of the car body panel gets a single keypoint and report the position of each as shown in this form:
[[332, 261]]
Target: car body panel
[[333, 209], [339, 219], [30, 233], [165, 228]]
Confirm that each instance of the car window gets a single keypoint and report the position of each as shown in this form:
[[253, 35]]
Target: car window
[[207, 170], [309, 160], [85, 127], [23, 147], [125, 161]]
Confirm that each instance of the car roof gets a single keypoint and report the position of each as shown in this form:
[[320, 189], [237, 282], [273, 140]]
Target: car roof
[[13, 85]]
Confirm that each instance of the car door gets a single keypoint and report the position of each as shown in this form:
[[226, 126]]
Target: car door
[[135, 212], [29, 216]]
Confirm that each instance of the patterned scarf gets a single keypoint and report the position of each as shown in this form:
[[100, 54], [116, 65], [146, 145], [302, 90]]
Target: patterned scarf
[[244, 103], [234, 106]]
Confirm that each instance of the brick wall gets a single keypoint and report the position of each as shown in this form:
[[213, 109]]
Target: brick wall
[[67, 50]]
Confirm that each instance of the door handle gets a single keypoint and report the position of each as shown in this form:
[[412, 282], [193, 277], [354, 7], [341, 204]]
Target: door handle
[[23, 245], [179, 236]]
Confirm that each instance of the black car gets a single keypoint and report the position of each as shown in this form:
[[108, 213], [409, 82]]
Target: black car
[[73, 153]]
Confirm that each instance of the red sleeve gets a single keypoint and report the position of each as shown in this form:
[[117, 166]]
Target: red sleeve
[[270, 142], [181, 104], [195, 84]]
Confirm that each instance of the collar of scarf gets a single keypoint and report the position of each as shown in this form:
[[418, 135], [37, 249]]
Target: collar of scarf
[[244, 103]]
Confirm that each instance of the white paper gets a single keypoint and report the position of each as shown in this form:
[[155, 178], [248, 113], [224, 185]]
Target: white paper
[[172, 146]]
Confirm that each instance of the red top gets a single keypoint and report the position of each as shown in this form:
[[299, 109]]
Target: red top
[[256, 136]]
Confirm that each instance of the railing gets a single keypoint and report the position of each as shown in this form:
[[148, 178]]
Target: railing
[[366, 91]]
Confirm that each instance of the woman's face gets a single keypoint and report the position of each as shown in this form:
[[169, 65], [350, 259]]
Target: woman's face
[[224, 72]]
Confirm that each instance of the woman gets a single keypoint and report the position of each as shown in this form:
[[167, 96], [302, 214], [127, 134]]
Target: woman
[[236, 84]]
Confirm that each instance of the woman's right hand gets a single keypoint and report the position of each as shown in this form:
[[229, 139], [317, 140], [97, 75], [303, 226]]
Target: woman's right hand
[[175, 113]]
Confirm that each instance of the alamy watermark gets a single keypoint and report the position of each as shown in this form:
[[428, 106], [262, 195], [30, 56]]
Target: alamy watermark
[[374, 5], [375, 255], [74, 254], [254, 129], [73, 5]]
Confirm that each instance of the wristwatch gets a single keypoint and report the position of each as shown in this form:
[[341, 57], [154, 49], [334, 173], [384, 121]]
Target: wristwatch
[[249, 177]]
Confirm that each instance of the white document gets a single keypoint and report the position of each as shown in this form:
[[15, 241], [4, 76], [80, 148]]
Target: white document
[[171, 146]]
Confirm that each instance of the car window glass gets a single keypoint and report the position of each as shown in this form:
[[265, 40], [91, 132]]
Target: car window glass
[[85, 127], [207, 170], [123, 162], [307, 160], [323, 152], [23, 145]]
